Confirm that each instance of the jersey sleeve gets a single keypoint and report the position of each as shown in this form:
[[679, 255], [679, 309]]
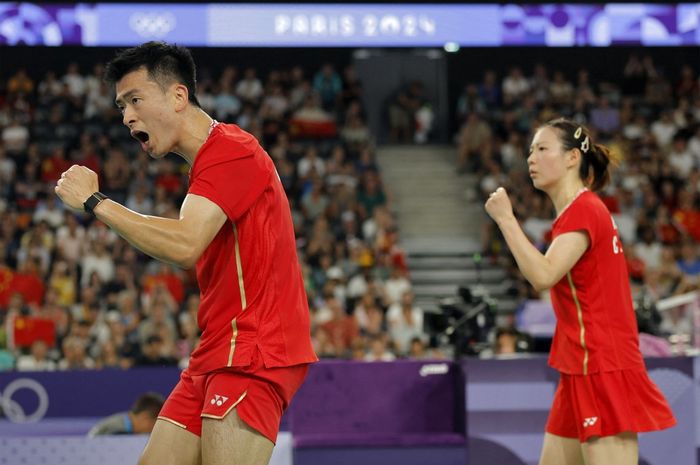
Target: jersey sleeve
[[234, 185], [578, 217]]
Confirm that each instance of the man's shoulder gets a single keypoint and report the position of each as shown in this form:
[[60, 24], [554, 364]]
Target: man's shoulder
[[227, 143]]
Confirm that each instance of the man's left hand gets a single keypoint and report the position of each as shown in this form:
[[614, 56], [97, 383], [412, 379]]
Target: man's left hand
[[76, 185]]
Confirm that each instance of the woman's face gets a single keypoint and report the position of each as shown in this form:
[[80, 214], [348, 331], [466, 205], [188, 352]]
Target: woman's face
[[546, 162]]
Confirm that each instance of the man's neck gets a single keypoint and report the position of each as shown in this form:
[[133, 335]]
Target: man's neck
[[195, 132]]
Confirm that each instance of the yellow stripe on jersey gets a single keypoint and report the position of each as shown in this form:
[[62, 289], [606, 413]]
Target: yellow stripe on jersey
[[234, 332], [239, 268], [241, 287], [580, 322]]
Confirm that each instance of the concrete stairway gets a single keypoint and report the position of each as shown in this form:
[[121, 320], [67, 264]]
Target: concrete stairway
[[440, 223]]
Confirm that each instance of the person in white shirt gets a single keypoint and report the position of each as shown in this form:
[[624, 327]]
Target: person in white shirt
[[77, 85], [378, 350], [680, 157], [664, 129], [515, 85], [405, 322], [97, 259], [396, 286], [37, 360], [249, 88]]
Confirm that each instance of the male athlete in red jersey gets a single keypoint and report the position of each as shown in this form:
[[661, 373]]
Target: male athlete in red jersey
[[604, 397], [235, 226]]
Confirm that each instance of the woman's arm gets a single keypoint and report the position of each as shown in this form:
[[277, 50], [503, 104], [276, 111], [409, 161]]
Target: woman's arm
[[542, 271]]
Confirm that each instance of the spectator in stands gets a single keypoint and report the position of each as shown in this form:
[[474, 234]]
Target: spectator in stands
[[369, 315], [96, 260], [70, 239], [515, 85], [405, 321], [635, 76], [341, 329], [379, 350], [473, 142], [227, 106], [311, 162], [584, 90], [328, 84], [689, 261], [505, 342], [75, 82], [687, 84], [355, 134], [20, 83], [664, 129], [680, 157], [470, 101], [561, 90], [396, 286], [50, 212], [604, 118], [370, 194], [418, 349], [152, 353], [490, 90], [648, 249], [402, 112], [140, 419], [74, 355], [8, 168], [250, 89], [15, 136], [37, 360]]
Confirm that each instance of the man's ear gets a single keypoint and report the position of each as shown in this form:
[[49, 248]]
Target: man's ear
[[181, 96]]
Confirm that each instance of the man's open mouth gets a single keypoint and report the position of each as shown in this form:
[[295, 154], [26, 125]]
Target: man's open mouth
[[140, 136]]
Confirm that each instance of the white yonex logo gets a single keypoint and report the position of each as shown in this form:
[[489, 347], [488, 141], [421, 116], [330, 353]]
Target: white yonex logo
[[589, 421], [218, 400]]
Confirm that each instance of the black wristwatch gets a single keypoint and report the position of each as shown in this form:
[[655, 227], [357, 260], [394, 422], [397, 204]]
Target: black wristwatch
[[93, 201]]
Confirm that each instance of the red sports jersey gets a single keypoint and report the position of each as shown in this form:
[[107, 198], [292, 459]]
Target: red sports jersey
[[596, 325], [249, 275]]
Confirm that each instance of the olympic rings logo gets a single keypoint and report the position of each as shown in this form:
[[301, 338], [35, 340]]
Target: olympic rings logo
[[14, 411], [152, 24]]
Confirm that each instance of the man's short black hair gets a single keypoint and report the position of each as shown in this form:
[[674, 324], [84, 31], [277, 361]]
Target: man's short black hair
[[150, 402], [164, 63]]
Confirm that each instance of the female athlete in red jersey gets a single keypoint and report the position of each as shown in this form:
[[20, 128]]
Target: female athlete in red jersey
[[604, 397]]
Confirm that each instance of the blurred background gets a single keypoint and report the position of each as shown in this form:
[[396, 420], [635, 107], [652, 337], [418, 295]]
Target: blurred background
[[389, 124]]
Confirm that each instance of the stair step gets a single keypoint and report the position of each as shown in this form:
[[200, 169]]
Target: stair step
[[457, 275], [464, 261], [504, 305], [441, 245]]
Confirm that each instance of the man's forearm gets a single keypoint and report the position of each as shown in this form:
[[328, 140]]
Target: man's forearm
[[162, 238]]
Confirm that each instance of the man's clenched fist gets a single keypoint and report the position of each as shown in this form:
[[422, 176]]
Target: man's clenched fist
[[76, 185]]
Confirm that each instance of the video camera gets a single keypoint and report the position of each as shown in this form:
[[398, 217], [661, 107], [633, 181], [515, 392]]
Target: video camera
[[463, 322]]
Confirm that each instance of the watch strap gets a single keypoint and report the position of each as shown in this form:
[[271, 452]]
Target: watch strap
[[93, 201]]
